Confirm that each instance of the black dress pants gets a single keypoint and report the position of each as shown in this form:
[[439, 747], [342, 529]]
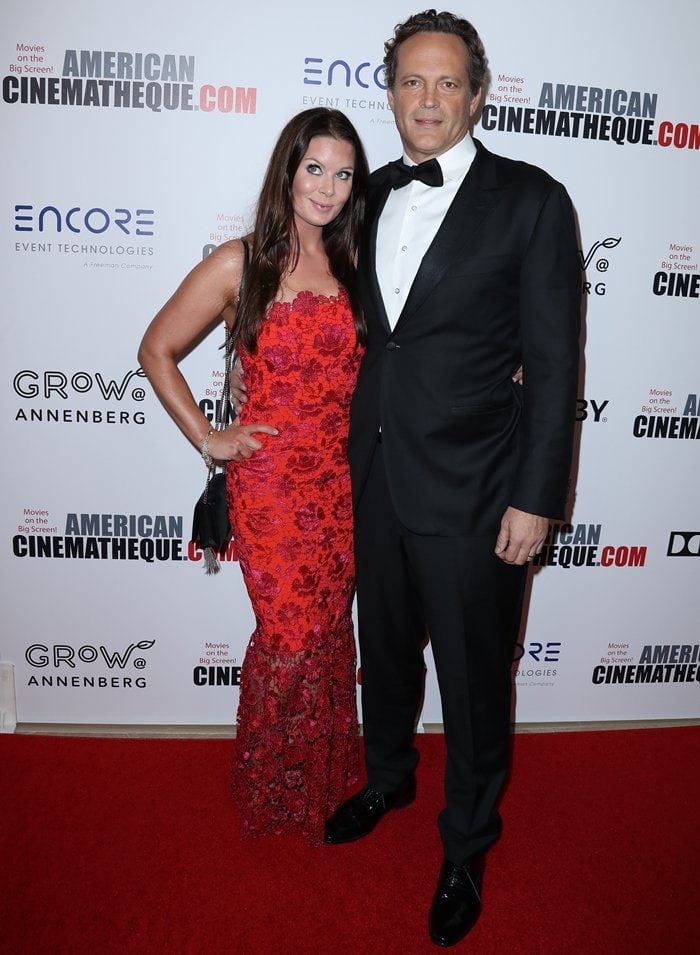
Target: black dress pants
[[469, 602]]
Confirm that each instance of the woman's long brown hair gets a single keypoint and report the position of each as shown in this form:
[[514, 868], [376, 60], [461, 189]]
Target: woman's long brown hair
[[276, 242]]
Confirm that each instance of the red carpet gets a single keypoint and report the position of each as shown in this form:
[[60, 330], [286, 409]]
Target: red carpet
[[130, 846]]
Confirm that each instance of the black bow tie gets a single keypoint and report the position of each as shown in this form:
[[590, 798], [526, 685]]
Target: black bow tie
[[428, 172]]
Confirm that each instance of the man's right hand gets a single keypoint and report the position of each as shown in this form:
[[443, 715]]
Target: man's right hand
[[237, 388]]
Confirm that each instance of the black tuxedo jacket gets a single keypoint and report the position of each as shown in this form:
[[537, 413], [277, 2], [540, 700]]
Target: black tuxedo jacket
[[500, 285]]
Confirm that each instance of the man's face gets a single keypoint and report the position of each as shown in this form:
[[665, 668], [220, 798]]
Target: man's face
[[431, 99]]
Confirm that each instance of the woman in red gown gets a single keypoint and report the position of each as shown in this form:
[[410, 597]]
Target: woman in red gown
[[300, 336]]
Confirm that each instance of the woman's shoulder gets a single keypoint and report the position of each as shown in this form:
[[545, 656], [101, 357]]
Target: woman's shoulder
[[226, 262], [231, 254]]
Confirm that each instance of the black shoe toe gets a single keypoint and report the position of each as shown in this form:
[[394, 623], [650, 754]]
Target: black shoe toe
[[357, 816], [456, 904]]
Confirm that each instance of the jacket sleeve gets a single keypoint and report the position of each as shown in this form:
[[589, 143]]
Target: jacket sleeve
[[550, 312]]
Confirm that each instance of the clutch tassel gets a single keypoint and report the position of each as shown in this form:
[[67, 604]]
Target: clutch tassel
[[211, 564]]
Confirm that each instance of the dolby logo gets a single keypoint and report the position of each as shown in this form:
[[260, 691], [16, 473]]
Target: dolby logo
[[684, 544]]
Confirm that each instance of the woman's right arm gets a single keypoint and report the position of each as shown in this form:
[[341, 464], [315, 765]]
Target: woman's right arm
[[197, 305]]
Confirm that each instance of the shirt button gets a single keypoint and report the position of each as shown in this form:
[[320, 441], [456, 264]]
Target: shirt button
[[413, 208], [404, 248], [397, 291]]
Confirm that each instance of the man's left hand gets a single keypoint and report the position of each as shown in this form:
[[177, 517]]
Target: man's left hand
[[521, 536]]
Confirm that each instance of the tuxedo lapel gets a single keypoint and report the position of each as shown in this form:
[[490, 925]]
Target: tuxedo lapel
[[368, 256], [459, 234]]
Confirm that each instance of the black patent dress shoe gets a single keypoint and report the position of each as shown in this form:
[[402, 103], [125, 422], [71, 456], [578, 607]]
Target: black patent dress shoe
[[456, 904], [358, 816]]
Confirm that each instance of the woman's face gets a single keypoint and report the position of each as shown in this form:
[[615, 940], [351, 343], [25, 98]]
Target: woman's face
[[323, 181]]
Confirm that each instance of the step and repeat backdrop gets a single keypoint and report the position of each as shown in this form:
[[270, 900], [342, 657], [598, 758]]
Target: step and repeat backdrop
[[135, 137]]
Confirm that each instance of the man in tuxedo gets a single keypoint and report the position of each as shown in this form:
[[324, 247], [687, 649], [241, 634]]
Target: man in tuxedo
[[468, 269]]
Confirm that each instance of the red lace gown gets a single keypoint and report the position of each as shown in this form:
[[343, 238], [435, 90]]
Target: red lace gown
[[290, 506]]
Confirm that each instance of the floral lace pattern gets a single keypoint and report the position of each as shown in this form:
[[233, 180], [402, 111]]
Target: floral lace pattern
[[290, 505]]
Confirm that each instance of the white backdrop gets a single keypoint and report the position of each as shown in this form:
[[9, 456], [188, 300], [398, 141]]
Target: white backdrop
[[134, 136]]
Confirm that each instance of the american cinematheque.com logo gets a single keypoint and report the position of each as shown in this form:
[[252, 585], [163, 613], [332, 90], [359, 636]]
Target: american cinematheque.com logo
[[663, 416], [150, 538], [678, 275], [622, 117], [144, 537], [657, 663], [580, 545], [122, 80]]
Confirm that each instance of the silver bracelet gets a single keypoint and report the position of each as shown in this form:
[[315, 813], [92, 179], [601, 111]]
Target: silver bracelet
[[204, 450]]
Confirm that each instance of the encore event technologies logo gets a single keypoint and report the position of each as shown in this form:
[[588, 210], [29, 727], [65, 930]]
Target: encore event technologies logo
[[346, 84], [107, 229], [533, 663]]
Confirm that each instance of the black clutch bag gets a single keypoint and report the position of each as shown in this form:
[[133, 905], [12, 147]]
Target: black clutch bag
[[211, 528]]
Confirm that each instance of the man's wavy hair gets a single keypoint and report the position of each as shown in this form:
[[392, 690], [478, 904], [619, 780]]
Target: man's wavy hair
[[432, 22], [275, 240]]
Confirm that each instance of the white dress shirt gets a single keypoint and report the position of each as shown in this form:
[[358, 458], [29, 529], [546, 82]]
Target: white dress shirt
[[409, 222]]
